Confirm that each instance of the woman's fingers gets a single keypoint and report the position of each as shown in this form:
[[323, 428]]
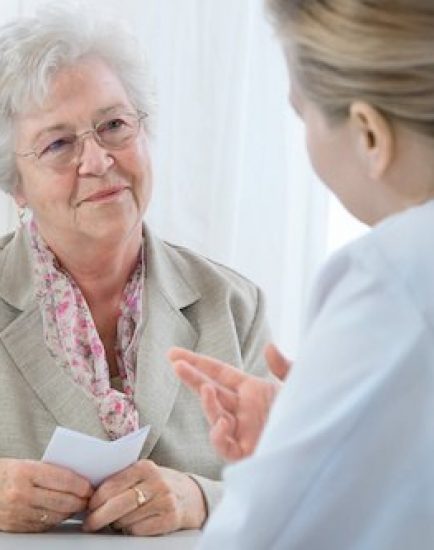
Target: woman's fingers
[[196, 380], [192, 378], [140, 471], [37, 496], [278, 364], [170, 498], [113, 509], [31, 520], [158, 524], [53, 501], [211, 406], [218, 371], [221, 436], [56, 478]]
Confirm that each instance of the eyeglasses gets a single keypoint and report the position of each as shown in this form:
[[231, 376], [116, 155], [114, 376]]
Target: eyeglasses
[[62, 150]]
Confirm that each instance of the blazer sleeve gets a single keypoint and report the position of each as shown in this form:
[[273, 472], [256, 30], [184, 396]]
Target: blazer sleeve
[[258, 336], [252, 351]]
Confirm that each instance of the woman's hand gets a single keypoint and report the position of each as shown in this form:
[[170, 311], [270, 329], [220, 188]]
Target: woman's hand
[[35, 496], [236, 404], [145, 499]]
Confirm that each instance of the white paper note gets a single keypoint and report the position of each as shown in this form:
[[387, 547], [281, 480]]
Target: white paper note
[[93, 458]]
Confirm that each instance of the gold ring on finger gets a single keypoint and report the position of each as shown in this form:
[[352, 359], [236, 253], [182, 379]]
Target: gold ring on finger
[[140, 497], [43, 518]]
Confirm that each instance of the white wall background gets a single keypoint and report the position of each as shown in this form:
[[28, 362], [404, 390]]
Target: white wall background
[[232, 179]]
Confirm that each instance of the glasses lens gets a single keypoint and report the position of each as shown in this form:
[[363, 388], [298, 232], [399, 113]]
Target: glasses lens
[[61, 151], [58, 150], [118, 131]]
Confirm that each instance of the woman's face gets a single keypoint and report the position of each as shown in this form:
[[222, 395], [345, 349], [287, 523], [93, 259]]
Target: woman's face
[[105, 194]]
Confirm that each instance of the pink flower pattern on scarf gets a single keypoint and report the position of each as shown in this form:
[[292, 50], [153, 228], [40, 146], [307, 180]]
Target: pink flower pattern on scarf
[[73, 341]]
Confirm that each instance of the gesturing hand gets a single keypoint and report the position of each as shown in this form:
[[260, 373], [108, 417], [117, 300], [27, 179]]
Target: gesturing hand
[[35, 496], [236, 404]]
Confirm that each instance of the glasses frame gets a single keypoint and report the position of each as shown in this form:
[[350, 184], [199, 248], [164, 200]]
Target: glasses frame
[[79, 140]]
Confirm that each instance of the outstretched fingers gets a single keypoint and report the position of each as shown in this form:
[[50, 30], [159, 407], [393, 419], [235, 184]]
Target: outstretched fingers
[[218, 371], [213, 407], [192, 378], [221, 436], [278, 364], [196, 379]]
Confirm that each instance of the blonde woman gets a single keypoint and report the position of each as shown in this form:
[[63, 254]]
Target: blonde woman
[[346, 458]]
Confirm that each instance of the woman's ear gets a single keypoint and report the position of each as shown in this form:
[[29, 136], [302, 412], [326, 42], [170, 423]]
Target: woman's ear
[[374, 135], [18, 194]]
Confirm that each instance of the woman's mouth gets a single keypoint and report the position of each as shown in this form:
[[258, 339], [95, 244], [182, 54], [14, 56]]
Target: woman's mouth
[[105, 195]]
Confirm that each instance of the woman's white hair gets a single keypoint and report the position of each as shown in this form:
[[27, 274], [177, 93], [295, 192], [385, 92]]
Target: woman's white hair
[[33, 49]]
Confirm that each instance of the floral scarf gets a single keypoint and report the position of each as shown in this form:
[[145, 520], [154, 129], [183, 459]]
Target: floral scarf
[[72, 339]]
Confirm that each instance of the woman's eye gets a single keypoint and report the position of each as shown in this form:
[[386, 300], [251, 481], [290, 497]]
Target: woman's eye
[[58, 146], [111, 125]]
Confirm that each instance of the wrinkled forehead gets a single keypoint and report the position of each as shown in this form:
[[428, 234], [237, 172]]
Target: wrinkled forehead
[[77, 95]]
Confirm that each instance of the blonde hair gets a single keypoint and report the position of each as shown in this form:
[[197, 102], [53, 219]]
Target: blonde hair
[[378, 51]]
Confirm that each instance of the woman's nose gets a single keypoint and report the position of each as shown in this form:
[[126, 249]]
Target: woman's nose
[[93, 158]]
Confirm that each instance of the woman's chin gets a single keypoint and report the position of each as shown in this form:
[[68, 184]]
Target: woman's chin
[[111, 230]]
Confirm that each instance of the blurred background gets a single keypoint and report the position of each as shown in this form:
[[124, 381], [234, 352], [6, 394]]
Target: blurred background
[[232, 179]]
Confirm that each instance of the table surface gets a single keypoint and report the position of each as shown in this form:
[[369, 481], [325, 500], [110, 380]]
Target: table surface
[[69, 536]]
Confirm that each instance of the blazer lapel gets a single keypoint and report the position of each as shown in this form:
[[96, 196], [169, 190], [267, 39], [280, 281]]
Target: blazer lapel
[[167, 294], [24, 341], [68, 404]]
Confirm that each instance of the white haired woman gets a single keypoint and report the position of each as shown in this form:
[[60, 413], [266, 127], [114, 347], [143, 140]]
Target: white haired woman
[[346, 458], [90, 300]]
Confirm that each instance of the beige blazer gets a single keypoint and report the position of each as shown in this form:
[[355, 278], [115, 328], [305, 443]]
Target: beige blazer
[[189, 301]]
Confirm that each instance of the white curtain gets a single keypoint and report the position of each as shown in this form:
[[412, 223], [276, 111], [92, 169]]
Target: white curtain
[[232, 179]]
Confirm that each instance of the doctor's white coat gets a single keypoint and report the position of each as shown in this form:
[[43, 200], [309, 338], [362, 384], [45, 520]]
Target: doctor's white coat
[[346, 461]]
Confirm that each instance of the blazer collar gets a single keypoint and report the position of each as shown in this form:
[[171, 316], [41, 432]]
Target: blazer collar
[[168, 294], [163, 271]]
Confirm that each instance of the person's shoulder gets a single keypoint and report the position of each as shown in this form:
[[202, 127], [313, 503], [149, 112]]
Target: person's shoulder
[[16, 284], [5, 240], [10, 273], [397, 247], [340, 274], [8, 246], [404, 242], [405, 239], [226, 298], [395, 256], [205, 272]]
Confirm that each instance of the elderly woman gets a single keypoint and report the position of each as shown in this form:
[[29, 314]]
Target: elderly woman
[[90, 300]]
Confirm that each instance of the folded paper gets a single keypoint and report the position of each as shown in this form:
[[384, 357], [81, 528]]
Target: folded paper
[[92, 458]]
